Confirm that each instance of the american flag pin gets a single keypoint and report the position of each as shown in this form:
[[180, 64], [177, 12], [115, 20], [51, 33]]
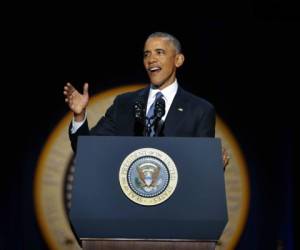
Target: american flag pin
[[180, 109]]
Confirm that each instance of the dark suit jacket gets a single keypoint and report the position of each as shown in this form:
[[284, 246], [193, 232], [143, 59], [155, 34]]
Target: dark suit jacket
[[189, 116]]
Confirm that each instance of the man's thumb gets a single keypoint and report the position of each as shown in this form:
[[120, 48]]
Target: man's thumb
[[86, 89]]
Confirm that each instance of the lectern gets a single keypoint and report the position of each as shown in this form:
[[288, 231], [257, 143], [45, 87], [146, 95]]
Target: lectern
[[148, 192]]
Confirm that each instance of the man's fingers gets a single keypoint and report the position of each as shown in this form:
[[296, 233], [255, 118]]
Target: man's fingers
[[73, 97], [67, 91], [69, 85], [69, 88], [86, 89], [225, 157]]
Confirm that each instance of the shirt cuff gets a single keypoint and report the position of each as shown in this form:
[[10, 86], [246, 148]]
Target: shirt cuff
[[77, 125]]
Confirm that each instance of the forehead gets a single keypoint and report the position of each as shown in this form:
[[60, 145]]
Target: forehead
[[158, 42]]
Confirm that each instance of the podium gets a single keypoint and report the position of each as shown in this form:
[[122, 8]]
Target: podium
[[105, 217]]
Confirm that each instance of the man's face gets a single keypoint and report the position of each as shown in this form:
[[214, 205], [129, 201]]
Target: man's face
[[161, 61]]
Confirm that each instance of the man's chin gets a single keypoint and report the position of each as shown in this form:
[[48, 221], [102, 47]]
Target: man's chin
[[156, 84]]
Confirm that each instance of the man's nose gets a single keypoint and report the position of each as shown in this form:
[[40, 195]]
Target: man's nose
[[152, 59]]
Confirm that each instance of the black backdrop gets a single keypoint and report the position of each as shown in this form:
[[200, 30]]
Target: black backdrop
[[242, 59]]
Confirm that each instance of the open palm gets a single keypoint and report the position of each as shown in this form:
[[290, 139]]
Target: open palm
[[76, 101]]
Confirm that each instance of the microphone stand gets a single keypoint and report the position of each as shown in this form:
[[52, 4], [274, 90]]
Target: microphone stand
[[140, 114], [159, 125]]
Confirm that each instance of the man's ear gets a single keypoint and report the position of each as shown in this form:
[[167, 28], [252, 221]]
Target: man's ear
[[179, 60]]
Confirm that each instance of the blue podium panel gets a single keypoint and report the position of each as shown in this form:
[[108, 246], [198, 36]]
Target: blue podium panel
[[196, 209]]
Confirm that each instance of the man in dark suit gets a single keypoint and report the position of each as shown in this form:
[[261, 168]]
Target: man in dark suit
[[184, 113]]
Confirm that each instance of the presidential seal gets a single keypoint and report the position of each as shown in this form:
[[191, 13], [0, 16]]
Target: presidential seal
[[148, 176]]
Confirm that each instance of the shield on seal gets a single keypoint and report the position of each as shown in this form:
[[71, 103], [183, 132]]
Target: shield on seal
[[148, 174]]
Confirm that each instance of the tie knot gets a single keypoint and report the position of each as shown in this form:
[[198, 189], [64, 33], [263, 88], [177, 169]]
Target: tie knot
[[158, 95]]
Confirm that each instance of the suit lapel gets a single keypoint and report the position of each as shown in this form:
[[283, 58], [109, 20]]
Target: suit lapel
[[143, 94], [176, 113]]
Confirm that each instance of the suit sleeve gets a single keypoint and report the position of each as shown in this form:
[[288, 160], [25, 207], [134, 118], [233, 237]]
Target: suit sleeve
[[206, 124], [106, 126]]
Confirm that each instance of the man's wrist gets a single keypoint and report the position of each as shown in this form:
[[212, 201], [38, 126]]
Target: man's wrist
[[77, 124], [79, 117]]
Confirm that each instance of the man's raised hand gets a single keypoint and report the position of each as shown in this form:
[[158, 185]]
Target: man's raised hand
[[76, 101]]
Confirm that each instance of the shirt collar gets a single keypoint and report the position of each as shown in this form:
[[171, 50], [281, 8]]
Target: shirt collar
[[168, 92]]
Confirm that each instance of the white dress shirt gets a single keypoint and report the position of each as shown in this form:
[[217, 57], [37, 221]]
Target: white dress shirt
[[77, 125], [168, 95]]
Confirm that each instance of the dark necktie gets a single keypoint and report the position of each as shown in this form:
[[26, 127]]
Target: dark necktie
[[150, 116]]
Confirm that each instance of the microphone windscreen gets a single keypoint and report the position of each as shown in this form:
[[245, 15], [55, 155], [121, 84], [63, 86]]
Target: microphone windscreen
[[139, 108]]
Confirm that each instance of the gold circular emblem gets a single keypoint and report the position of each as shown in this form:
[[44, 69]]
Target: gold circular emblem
[[148, 176]]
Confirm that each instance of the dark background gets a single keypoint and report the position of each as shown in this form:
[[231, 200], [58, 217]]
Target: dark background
[[242, 58]]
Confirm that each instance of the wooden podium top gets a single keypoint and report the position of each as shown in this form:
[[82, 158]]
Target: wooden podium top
[[135, 244]]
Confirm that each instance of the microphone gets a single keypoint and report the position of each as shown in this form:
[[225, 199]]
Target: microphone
[[140, 116]]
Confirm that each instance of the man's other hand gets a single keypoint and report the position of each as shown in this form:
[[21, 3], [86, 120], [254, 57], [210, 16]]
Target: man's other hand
[[226, 158]]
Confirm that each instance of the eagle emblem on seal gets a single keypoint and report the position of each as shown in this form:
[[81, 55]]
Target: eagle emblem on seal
[[148, 177]]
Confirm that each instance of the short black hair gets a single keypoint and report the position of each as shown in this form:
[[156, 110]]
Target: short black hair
[[168, 36]]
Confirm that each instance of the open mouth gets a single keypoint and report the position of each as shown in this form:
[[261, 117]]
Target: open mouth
[[155, 69]]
